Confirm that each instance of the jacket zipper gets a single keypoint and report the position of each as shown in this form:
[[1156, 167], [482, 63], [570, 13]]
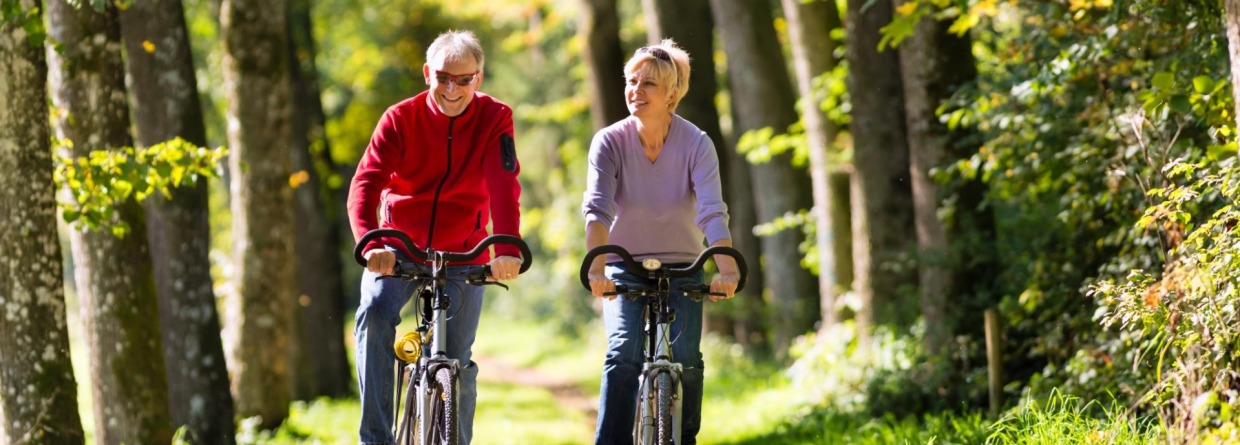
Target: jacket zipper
[[430, 234]]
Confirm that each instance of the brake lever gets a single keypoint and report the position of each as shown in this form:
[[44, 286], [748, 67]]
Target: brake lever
[[481, 280]]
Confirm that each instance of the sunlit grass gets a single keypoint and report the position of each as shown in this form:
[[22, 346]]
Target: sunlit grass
[[1067, 419], [509, 414], [746, 403]]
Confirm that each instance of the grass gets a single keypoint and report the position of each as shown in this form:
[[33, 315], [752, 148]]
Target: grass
[[745, 404]]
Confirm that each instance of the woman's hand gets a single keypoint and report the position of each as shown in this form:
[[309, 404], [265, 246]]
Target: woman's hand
[[724, 283]]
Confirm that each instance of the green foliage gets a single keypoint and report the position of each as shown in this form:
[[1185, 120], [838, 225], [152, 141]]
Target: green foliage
[[99, 182], [12, 13], [1185, 317], [1065, 419], [1080, 106]]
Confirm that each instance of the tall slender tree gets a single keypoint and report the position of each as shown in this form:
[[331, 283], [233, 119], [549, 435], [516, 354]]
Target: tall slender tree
[[881, 195], [813, 53], [762, 97], [600, 30], [256, 75], [166, 106], [320, 368], [38, 392], [1231, 20], [934, 63], [115, 282], [665, 19]]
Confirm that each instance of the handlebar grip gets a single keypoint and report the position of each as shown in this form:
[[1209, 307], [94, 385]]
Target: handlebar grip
[[632, 264], [600, 250], [379, 233], [527, 258], [741, 267]]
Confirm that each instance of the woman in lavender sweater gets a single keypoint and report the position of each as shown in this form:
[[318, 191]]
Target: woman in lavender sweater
[[653, 188]]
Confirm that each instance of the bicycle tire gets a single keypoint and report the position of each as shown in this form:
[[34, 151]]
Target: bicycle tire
[[443, 424], [405, 431], [664, 429]]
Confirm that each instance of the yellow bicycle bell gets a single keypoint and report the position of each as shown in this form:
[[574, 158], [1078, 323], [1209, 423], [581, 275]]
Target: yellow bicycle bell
[[409, 347]]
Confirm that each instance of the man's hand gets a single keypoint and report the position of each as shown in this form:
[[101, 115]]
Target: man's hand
[[505, 268], [380, 261]]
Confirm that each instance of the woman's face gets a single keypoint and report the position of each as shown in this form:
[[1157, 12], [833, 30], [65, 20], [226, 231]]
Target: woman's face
[[645, 94]]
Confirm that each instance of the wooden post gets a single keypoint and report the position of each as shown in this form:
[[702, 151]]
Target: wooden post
[[994, 356]]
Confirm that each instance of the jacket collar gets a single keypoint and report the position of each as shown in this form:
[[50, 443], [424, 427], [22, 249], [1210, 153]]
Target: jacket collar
[[438, 116]]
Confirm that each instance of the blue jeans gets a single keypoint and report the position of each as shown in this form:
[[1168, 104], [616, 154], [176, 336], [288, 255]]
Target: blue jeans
[[622, 319], [375, 331]]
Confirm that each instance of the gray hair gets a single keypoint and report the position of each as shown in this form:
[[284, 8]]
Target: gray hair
[[456, 45]]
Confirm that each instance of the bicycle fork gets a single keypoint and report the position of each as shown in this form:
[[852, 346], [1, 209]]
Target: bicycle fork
[[647, 403]]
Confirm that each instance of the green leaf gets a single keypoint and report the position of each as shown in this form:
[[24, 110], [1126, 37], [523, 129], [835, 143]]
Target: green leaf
[[1180, 104], [1220, 152], [1164, 80], [1203, 84]]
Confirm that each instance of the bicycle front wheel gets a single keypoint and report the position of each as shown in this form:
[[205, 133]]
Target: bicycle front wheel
[[408, 420], [441, 424], [664, 429]]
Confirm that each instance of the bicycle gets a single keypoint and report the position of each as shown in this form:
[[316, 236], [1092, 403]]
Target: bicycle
[[658, 419], [432, 399]]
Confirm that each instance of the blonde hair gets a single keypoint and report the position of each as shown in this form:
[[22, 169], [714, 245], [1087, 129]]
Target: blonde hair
[[673, 73], [456, 45]]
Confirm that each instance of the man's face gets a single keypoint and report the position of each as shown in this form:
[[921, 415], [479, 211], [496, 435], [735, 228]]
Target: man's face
[[452, 83]]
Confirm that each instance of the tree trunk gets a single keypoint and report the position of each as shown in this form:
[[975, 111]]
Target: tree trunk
[[809, 30], [115, 282], [165, 106], [600, 31], [320, 367], [665, 19], [762, 96], [881, 195], [256, 75], [935, 63], [39, 402], [1232, 21]]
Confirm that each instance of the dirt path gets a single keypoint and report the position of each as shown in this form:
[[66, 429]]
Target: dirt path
[[565, 392]]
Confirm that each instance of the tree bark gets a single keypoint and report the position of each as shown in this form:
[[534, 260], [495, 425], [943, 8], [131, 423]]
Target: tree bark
[[1231, 10], [665, 19], [115, 282], [762, 96], [38, 392], [882, 203], [320, 368], [935, 63], [256, 75], [600, 30], [809, 30], [166, 106]]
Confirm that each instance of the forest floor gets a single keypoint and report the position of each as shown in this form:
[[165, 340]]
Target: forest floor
[[567, 393]]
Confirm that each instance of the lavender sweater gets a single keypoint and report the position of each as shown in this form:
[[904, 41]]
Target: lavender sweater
[[657, 209]]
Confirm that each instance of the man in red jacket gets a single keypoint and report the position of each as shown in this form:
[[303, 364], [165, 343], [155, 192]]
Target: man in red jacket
[[439, 166]]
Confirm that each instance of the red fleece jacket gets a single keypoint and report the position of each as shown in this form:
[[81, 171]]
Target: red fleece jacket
[[439, 179]]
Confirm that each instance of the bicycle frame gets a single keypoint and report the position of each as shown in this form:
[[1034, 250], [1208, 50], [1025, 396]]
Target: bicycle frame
[[433, 371], [653, 407], [659, 359]]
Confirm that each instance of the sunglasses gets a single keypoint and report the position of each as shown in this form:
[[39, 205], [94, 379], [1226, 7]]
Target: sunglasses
[[655, 51], [459, 79]]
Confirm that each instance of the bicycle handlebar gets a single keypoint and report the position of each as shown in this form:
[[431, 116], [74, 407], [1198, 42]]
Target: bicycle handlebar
[[628, 260], [422, 255]]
